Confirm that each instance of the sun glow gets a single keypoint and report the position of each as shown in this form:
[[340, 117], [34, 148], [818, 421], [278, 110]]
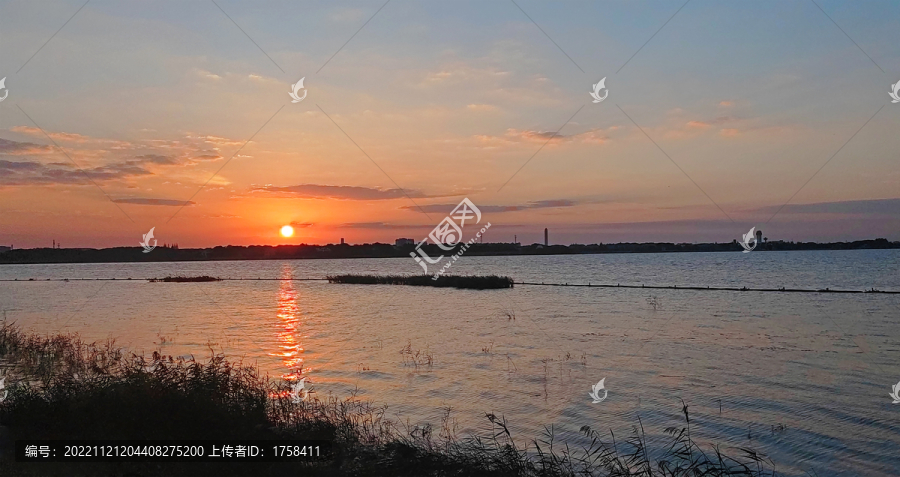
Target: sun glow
[[287, 231]]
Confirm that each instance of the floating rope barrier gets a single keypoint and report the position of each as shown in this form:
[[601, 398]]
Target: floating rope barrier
[[708, 288], [151, 279], [587, 285]]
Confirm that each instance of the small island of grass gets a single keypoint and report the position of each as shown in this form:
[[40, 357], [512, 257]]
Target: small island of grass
[[475, 282], [181, 279]]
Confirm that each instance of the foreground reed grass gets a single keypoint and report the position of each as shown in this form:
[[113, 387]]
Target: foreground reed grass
[[66, 388], [476, 282]]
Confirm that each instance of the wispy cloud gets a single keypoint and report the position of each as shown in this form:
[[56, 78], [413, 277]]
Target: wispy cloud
[[26, 173], [8, 147], [145, 201], [71, 138], [541, 204], [728, 126], [105, 159], [729, 132], [867, 207], [516, 136], [481, 107], [318, 191], [380, 225]]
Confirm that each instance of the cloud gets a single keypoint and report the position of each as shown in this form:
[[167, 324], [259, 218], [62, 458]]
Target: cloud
[[541, 204], [487, 79], [189, 150], [540, 135], [24, 173], [59, 136], [729, 132], [19, 166], [154, 159], [595, 136], [684, 128], [24, 148], [101, 159], [145, 201], [869, 206], [706, 124], [207, 157], [301, 225], [481, 107], [207, 74], [216, 140], [72, 138], [695, 127], [726, 104], [182, 159], [380, 225], [516, 136], [535, 136], [317, 191]]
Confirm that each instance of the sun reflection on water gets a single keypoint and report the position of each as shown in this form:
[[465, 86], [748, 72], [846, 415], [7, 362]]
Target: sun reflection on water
[[289, 328]]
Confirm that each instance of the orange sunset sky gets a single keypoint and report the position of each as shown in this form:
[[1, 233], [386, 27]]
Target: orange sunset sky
[[135, 109]]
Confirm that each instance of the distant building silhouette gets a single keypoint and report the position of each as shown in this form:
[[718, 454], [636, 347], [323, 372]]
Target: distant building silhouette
[[400, 242], [758, 237], [342, 240], [546, 238]]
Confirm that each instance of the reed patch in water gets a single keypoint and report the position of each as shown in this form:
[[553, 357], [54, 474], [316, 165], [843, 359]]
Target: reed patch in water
[[475, 282], [181, 279]]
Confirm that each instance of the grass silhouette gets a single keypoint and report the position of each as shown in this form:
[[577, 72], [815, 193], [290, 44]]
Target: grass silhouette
[[61, 387]]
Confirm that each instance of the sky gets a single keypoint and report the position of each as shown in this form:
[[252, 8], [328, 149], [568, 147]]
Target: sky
[[720, 116]]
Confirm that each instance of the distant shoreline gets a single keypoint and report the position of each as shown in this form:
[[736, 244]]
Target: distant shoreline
[[381, 250]]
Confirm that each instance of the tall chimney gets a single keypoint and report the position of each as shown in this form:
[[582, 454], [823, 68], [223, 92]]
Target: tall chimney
[[546, 238]]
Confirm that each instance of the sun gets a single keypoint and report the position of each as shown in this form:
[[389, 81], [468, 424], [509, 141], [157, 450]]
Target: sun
[[287, 231]]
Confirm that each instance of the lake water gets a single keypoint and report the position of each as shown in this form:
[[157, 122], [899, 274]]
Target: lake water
[[746, 363]]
